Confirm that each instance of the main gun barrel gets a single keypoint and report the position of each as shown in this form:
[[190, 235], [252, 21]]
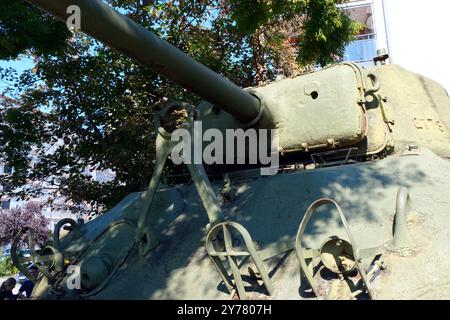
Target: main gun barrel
[[124, 35]]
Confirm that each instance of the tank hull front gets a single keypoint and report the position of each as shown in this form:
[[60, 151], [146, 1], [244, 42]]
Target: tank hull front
[[271, 209]]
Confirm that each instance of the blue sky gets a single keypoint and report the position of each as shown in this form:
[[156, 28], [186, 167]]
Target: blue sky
[[20, 65]]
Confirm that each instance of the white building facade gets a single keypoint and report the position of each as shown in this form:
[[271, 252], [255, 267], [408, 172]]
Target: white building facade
[[53, 214], [60, 207], [413, 32]]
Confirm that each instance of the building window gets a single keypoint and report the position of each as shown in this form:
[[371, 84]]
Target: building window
[[6, 204], [364, 48], [7, 170], [5, 187]]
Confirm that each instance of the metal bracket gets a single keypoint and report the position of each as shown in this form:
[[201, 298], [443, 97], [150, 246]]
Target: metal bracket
[[55, 259], [206, 192], [357, 255], [320, 161], [57, 231], [231, 255], [145, 237]]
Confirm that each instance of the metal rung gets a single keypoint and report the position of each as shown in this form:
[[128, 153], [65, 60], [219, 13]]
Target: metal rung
[[229, 254], [320, 158]]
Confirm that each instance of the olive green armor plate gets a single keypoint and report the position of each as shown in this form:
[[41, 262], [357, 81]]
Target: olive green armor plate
[[271, 210]]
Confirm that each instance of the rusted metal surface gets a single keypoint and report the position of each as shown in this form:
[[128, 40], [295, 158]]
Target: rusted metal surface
[[345, 260], [230, 254]]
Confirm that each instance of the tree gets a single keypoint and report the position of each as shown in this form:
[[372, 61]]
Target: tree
[[24, 27], [93, 106], [321, 30], [12, 221]]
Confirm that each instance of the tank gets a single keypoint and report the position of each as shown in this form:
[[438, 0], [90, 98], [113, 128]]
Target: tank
[[356, 208]]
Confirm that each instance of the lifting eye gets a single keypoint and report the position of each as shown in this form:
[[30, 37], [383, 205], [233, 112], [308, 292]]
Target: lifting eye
[[314, 95]]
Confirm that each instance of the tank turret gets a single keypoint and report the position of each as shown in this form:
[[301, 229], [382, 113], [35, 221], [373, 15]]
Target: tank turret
[[339, 107]]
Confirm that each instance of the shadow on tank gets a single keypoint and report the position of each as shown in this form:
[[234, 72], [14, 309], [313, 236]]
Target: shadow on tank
[[180, 268]]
